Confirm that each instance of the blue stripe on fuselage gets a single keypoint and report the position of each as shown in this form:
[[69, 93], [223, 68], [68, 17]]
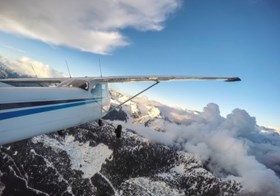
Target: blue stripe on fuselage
[[18, 105], [18, 113]]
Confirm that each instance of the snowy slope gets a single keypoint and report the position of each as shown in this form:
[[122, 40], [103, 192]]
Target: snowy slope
[[96, 163]]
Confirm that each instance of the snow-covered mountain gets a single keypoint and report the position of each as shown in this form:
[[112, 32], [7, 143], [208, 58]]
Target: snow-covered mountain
[[163, 151], [232, 147], [89, 160], [7, 71]]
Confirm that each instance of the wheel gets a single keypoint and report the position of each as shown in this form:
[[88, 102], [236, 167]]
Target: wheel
[[100, 123], [118, 131]]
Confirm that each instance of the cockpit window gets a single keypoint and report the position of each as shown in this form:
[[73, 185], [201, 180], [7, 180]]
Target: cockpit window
[[99, 89], [93, 89], [76, 83]]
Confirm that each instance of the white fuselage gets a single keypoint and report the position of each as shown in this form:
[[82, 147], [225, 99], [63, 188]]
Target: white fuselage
[[29, 111]]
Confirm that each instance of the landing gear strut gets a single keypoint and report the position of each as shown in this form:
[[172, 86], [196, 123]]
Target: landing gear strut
[[118, 130]]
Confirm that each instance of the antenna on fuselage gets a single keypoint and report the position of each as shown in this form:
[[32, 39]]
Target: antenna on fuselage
[[34, 70], [68, 68]]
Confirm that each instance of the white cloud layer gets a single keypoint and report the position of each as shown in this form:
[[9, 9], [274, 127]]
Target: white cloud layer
[[29, 67], [89, 25], [234, 147]]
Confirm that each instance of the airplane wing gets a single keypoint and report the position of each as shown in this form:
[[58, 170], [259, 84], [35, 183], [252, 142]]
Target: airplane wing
[[112, 79], [117, 79]]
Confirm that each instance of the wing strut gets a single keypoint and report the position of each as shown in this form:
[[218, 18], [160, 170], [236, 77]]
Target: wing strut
[[156, 82]]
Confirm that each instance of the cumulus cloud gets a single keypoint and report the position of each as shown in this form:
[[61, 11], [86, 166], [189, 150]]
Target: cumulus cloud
[[89, 25], [232, 147], [30, 67]]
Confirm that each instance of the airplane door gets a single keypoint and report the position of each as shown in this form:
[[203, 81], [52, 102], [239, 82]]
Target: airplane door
[[101, 94]]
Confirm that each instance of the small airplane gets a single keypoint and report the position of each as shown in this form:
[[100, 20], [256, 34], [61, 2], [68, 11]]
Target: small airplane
[[34, 106]]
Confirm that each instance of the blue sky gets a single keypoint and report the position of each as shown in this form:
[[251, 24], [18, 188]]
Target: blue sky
[[195, 37]]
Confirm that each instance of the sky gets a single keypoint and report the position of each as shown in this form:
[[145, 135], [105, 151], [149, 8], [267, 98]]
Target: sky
[[149, 37]]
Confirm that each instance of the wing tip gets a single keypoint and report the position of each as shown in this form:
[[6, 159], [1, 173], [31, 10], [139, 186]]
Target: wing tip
[[233, 79]]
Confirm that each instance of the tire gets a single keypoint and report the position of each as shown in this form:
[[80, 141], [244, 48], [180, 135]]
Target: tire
[[118, 131]]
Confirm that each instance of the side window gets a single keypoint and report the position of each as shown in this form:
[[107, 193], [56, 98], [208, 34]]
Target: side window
[[105, 90], [99, 89], [93, 89], [96, 90]]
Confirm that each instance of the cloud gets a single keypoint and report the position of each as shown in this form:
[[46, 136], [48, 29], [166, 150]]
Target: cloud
[[89, 25], [232, 147], [30, 67]]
